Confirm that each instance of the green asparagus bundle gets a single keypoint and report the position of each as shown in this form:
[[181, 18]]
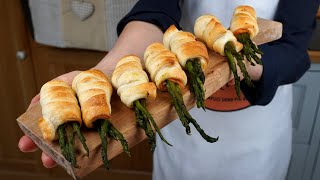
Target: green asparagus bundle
[[106, 129], [192, 56], [165, 71], [209, 30], [67, 134], [61, 114], [245, 27]]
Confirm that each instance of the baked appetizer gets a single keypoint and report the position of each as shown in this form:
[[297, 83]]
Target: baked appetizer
[[94, 93], [244, 26], [165, 71], [209, 30], [61, 113], [134, 87], [192, 56]]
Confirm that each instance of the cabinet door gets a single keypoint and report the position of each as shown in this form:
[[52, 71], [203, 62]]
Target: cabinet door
[[306, 125], [50, 62], [17, 88]]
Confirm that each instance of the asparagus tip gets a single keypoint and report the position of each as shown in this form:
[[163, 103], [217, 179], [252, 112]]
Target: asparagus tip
[[146, 116], [212, 139], [188, 130], [204, 109]]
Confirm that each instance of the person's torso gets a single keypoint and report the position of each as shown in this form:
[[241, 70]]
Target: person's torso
[[254, 143], [223, 10], [224, 99]]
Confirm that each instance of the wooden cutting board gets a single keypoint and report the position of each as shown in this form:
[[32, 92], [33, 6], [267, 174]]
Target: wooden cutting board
[[217, 75]]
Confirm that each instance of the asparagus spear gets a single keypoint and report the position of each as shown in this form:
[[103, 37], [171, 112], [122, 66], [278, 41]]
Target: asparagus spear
[[82, 139], [250, 50], [70, 135], [185, 117], [196, 78], [116, 135], [62, 142], [66, 134], [145, 120], [232, 54], [176, 104], [146, 126], [244, 71], [102, 130], [105, 128]]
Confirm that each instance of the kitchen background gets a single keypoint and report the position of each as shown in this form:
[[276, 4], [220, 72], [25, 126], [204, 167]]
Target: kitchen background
[[28, 59]]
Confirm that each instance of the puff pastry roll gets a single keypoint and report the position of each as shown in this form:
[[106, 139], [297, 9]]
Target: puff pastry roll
[[163, 65], [244, 26], [94, 93], [193, 57], [168, 75], [133, 87], [218, 38], [132, 81], [185, 46], [209, 30], [59, 105], [244, 20]]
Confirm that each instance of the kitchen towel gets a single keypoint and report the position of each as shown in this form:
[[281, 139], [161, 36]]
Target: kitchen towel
[[56, 23]]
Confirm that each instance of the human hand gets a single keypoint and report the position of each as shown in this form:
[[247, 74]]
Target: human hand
[[134, 39], [25, 143], [255, 72]]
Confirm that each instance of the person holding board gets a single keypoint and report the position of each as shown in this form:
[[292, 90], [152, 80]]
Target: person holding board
[[254, 128]]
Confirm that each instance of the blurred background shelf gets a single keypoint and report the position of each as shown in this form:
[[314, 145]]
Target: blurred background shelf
[[314, 56], [314, 46]]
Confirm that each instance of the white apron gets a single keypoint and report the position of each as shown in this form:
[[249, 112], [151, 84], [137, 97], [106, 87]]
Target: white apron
[[254, 143]]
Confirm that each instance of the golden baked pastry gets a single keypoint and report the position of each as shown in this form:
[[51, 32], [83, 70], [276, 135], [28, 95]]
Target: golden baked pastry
[[244, 20], [193, 57], [61, 117], [168, 75], [185, 46], [163, 65], [94, 92], [132, 81], [134, 87], [208, 29], [59, 105]]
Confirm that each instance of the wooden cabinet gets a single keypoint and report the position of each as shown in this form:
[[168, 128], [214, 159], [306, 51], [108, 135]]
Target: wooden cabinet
[[50, 62], [17, 88], [22, 78]]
